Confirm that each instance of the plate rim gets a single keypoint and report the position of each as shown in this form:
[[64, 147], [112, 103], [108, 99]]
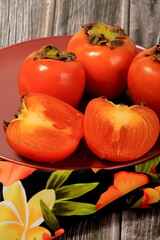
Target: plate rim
[[32, 163]]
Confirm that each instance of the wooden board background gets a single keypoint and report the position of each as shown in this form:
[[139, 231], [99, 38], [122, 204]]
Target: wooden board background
[[22, 20]]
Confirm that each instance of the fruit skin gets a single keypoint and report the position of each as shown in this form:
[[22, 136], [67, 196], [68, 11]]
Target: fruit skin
[[106, 68], [118, 132], [60, 78], [46, 129], [144, 78]]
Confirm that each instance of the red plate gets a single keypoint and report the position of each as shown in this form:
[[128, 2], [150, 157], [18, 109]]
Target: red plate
[[10, 61]]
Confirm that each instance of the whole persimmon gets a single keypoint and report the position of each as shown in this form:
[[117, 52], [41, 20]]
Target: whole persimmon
[[105, 53], [144, 78], [52, 72]]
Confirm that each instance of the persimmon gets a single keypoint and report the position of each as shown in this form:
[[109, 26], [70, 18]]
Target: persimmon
[[105, 53], [144, 78], [119, 132], [46, 129], [53, 72]]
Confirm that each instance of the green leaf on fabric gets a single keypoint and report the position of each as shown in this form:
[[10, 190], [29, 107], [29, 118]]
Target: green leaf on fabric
[[49, 217], [69, 208], [137, 204], [57, 178], [134, 200], [146, 166], [74, 190], [155, 177]]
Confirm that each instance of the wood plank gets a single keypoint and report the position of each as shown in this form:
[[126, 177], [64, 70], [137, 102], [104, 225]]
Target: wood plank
[[144, 22], [105, 226], [141, 224], [22, 20], [71, 14]]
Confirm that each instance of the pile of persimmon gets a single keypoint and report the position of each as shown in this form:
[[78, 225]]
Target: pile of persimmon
[[100, 60]]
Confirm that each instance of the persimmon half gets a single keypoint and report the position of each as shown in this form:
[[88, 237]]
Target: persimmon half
[[119, 132], [46, 129]]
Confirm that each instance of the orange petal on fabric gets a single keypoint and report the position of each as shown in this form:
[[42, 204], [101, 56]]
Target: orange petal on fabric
[[95, 170], [58, 233], [107, 197], [145, 201], [128, 181], [12, 172], [151, 195], [124, 182], [157, 189]]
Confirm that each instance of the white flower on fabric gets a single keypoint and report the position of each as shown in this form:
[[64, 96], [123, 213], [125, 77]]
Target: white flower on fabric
[[19, 219]]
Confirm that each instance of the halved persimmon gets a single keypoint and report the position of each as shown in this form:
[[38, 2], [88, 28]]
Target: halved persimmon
[[119, 132], [46, 129]]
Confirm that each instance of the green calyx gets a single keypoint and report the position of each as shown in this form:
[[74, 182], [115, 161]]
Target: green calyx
[[51, 52], [99, 34]]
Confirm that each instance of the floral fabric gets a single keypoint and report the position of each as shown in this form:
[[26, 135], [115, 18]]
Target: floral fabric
[[37, 205]]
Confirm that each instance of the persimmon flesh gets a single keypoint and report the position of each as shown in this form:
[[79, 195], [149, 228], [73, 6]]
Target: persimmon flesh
[[119, 132], [46, 129]]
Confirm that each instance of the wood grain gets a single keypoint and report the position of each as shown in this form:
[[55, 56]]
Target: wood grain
[[141, 224], [144, 22], [71, 14], [137, 224], [101, 227], [22, 20]]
